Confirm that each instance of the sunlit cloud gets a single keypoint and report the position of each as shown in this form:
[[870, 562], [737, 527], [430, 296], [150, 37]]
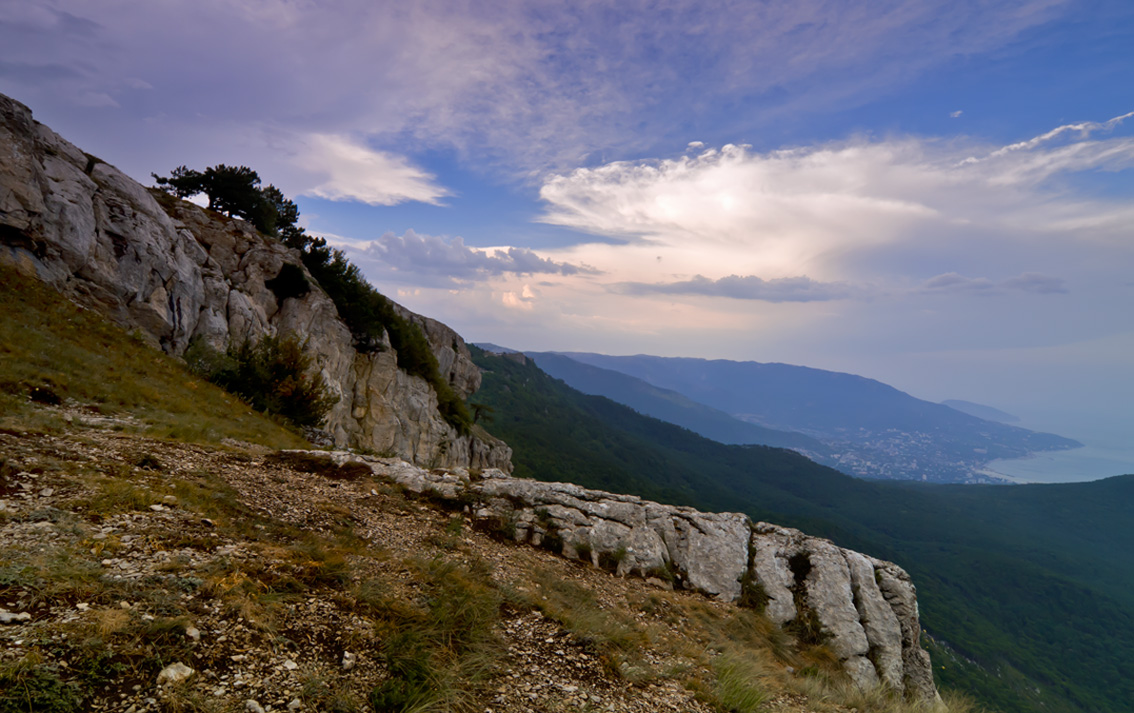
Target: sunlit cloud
[[805, 210], [356, 172]]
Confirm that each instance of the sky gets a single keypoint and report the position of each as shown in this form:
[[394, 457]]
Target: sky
[[935, 194]]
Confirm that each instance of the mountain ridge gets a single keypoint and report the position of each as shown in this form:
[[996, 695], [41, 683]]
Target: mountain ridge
[[870, 428], [669, 405]]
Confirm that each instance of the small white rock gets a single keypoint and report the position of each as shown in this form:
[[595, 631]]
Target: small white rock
[[349, 660], [295, 704], [82, 606], [193, 633], [157, 508], [253, 706], [290, 665], [174, 673], [7, 617]]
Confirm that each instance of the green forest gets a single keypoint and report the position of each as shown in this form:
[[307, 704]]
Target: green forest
[[1025, 591]]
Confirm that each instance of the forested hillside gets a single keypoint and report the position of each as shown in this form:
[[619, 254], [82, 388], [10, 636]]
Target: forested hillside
[[1025, 591]]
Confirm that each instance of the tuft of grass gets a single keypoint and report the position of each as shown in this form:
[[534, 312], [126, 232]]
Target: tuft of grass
[[332, 695], [440, 650], [738, 682], [612, 634]]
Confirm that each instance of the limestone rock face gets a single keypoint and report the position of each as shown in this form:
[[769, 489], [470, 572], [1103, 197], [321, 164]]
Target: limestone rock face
[[176, 272], [864, 609]]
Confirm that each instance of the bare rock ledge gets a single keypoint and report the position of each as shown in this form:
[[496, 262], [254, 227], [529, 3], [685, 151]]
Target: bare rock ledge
[[864, 608]]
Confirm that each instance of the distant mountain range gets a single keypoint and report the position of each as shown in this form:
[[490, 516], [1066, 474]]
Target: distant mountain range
[[857, 425], [670, 405]]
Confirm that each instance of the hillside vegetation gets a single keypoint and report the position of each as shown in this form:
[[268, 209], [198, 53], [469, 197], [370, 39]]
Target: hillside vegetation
[[147, 520], [1025, 591]]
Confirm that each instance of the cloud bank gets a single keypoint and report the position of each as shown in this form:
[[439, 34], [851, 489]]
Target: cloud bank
[[810, 209], [749, 287], [442, 261]]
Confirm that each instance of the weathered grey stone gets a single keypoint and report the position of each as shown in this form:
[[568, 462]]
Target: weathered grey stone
[[866, 608], [878, 620], [829, 595], [177, 272]]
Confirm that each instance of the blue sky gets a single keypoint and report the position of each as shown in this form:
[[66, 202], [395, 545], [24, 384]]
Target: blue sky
[[936, 194]]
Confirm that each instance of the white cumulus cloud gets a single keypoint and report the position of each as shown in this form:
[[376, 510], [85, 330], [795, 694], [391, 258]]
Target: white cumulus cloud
[[810, 209]]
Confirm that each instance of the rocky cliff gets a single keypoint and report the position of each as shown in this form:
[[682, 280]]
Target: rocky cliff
[[176, 272], [863, 608]]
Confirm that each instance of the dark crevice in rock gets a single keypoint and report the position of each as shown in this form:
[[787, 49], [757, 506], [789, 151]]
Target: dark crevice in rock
[[21, 240], [806, 625]]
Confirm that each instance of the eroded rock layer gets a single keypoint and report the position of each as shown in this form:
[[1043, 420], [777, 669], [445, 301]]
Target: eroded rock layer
[[176, 272], [863, 608]]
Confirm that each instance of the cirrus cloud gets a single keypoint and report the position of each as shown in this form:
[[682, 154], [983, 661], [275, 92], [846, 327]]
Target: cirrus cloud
[[748, 287], [1033, 282]]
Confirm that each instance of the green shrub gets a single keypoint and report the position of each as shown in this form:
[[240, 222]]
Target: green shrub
[[752, 592], [611, 560], [271, 375], [369, 314], [27, 685]]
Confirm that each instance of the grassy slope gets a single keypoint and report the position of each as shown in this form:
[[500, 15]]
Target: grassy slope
[[1015, 578], [46, 341], [427, 590]]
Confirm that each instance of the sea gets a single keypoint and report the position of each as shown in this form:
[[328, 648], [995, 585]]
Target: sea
[[1091, 462]]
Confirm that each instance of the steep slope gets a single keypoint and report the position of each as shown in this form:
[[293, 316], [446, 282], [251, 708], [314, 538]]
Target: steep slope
[[669, 405], [178, 273], [1010, 579], [873, 430], [158, 574]]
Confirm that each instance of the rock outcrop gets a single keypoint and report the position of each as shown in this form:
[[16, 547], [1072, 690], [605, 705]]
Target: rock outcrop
[[176, 272], [863, 609]]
